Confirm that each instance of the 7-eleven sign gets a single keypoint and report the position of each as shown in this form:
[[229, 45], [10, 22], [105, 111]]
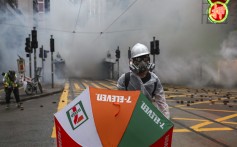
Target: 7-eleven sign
[[77, 115]]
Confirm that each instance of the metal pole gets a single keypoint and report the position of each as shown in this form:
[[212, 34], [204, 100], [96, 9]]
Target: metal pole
[[118, 68], [118, 59], [52, 69], [154, 56], [30, 59], [35, 62], [30, 64], [43, 66], [129, 57]]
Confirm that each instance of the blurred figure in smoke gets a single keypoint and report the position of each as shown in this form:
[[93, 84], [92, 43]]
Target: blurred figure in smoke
[[59, 63], [11, 85], [141, 78]]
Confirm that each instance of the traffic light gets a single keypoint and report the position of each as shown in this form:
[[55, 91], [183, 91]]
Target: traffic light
[[41, 52], [45, 53], [117, 53], [34, 35], [156, 49], [152, 48], [27, 48], [51, 44], [34, 42]]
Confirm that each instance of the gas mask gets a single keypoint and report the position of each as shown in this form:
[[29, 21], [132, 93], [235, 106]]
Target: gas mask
[[141, 64]]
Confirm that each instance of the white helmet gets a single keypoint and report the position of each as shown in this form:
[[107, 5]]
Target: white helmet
[[139, 50]]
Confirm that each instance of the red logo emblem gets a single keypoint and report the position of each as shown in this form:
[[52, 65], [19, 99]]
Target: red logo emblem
[[218, 11]]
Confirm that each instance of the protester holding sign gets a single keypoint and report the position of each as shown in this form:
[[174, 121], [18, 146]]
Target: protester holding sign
[[141, 78]]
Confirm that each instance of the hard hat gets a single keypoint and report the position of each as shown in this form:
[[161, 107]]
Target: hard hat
[[139, 50]]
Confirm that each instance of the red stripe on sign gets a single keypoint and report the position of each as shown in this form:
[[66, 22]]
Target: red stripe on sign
[[165, 140], [63, 139], [74, 109], [75, 120]]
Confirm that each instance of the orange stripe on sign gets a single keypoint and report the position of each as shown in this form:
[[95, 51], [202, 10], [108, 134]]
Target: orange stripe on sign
[[112, 110], [80, 118]]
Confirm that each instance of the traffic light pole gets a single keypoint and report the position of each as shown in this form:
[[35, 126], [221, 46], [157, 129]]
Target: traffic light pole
[[42, 69], [52, 69], [118, 68], [30, 58], [35, 63], [52, 50], [43, 66], [34, 45], [117, 54], [30, 64]]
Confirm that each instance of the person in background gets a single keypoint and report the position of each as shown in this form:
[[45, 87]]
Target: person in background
[[141, 78], [11, 85]]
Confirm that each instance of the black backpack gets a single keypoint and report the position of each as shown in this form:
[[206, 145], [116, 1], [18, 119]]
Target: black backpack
[[127, 79]]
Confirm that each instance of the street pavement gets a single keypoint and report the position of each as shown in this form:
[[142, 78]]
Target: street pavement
[[47, 90], [201, 116], [30, 127]]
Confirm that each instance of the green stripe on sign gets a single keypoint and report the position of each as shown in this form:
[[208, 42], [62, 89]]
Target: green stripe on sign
[[146, 126]]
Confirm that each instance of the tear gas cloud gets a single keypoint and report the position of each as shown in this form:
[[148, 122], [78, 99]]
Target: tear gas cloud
[[84, 31], [229, 46]]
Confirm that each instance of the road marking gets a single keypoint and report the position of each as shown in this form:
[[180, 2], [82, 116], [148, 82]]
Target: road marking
[[62, 103], [192, 119], [226, 118], [213, 129], [85, 84], [227, 122], [202, 130], [168, 100], [114, 83], [109, 87], [178, 96], [111, 80], [181, 130], [198, 126], [77, 86], [196, 103], [214, 110], [96, 86], [233, 104], [206, 122]]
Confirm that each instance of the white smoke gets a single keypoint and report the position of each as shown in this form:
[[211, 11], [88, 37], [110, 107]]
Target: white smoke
[[85, 30], [228, 63], [229, 46]]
